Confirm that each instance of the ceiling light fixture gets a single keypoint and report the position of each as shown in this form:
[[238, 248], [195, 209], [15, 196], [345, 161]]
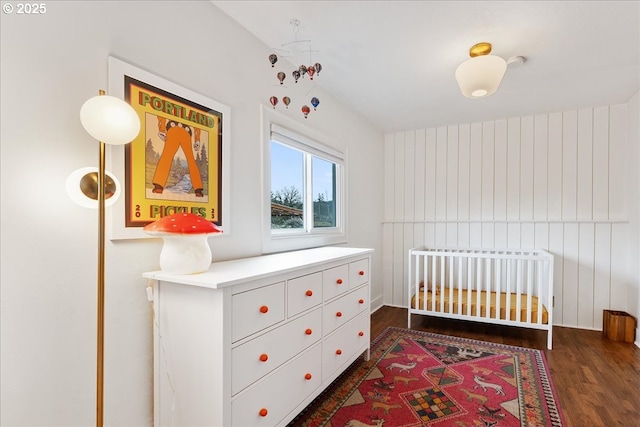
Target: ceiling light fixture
[[480, 75]]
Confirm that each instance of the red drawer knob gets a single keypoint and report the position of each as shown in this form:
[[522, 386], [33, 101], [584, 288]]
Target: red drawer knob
[[339, 314], [339, 281], [361, 301], [263, 412], [308, 331], [361, 272], [307, 377], [264, 309], [361, 333], [309, 293], [264, 357], [338, 352]]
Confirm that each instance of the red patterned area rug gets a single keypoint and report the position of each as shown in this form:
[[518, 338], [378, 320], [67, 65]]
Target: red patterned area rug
[[417, 378]]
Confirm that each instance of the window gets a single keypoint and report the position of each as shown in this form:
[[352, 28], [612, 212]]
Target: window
[[304, 183]]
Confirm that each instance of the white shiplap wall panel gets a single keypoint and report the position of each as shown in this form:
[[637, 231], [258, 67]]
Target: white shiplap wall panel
[[399, 264], [441, 234], [452, 173], [389, 189], [463, 235], [552, 181], [418, 234], [514, 234], [488, 235], [430, 175], [441, 173], [452, 234], [500, 239], [585, 165], [388, 263], [541, 236], [409, 175], [500, 171], [526, 168], [569, 164], [527, 235], [602, 271], [475, 173], [554, 167], [464, 159], [475, 235], [488, 157], [617, 156], [419, 174], [398, 177], [619, 250], [540, 167], [601, 163], [430, 234], [586, 266], [408, 243], [513, 169], [556, 247]]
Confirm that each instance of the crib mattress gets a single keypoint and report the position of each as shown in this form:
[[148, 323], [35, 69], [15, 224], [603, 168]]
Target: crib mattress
[[472, 309]]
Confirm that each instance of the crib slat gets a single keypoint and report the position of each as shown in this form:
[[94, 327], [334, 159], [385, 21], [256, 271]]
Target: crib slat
[[529, 289], [488, 288], [419, 262], [434, 264], [539, 264], [478, 285], [509, 275], [470, 286], [458, 287], [498, 286], [443, 271], [518, 288]]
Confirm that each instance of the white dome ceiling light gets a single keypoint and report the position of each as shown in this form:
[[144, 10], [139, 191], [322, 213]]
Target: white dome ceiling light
[[480, 75]]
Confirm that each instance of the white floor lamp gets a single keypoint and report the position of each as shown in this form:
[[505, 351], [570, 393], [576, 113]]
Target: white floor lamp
[[112, 121]]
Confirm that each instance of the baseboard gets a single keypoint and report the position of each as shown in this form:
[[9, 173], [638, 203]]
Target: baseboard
[[396, 306], [376, 304], [637, 343]]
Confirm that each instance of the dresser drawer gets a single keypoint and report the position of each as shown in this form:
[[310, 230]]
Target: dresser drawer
[[304, 293], [256, 358], [340, 348], [358, 273], [271, 400], [257, 309], [340, 311], [335, 281]]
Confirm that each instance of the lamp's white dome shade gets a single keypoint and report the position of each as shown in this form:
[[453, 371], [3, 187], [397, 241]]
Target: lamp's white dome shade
[[110, 120], [82, 187], [480, 76]]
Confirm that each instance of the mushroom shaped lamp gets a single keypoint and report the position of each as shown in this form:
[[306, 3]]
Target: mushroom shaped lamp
[[185, 249]]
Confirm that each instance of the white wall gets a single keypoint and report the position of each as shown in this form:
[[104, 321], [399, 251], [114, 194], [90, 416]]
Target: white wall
[[50, 65], [555, 181], [634, 210]]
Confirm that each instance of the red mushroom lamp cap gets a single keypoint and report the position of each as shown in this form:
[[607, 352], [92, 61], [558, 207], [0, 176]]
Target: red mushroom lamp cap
[[181, 223]]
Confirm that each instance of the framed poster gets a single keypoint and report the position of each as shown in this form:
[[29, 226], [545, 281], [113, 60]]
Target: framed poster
[[180, 160]]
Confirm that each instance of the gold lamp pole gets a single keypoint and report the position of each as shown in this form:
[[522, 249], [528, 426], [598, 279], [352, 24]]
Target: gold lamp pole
[[110, 120], [100, 311]]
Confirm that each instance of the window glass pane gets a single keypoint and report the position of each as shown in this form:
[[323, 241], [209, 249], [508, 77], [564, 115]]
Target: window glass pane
[[323, 188], [287, 184]]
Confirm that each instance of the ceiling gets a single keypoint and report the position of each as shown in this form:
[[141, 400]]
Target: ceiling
[[394, 61]]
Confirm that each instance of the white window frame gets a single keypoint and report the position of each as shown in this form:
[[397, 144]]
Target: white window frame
[[309, 141]]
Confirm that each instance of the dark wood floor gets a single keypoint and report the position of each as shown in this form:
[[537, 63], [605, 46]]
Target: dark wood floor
[[597, 380]]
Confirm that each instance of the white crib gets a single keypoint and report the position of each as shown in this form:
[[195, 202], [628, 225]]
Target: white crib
[[501, 286]]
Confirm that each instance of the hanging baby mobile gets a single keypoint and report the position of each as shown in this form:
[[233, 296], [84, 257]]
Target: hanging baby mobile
[[297, 74]]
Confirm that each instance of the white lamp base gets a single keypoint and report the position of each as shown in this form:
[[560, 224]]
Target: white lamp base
[[185, 254]]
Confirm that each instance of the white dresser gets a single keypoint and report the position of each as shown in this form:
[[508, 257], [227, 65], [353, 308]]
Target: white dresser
[[253, 341]]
